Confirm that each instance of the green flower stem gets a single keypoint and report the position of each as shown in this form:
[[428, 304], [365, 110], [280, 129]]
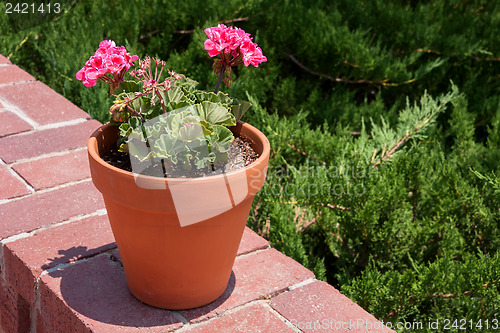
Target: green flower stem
[[221, 75], [135, 113], [162, 102]]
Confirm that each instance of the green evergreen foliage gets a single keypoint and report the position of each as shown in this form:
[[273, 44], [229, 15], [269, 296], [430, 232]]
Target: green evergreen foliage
[[384, 123], [445, 288]]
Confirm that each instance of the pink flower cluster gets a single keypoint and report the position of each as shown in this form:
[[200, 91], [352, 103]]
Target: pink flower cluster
[[108, 58], [235, 42]]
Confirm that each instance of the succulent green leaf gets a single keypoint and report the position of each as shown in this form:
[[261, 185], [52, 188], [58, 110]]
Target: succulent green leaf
[[174, 95], [194, 135], [223, 98], [215, 114], [123, 148], [151, 111], [140, 104], [175, 99], [167, 147], [172, 106], [220, 138], [125, 129], [199, 144], [207, 128], [126, 87], [138, 148], [135, 123], [202, 96], [238, 108], [205, 161], [190, 129], [185, 83], [220, 97], [153, 130]]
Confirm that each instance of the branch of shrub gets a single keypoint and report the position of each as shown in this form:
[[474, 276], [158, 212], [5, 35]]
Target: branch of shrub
[[413, 299], [387, 155], [305, 154], [393, 150], [359, 133], [301, 219], [188, 32], [465, 293], [319, 203], [298, 150], [383, 83], [475, 58], [336, 79], [307, 225]]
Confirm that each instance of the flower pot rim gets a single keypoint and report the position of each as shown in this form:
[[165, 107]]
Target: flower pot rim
[[263, 157]]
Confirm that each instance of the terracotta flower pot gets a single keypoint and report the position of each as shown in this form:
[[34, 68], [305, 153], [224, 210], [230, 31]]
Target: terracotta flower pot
[[168, 265]]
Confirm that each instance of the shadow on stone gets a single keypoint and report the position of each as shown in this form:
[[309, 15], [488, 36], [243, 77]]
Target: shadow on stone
[[96, 290], [76, 253]]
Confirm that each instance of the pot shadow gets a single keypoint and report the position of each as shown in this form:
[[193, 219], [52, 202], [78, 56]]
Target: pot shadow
[[96, 289], [75, 253]]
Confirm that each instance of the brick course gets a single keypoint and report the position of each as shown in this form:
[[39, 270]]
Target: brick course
[[255, 276], [12, 124], [251, 242], [25, 259], [54, 170], [322, 307], [41, 103], [95, 295], [52, 140], [13, 74], [255, 318], [12, 186], [45, 208], [14, 310]]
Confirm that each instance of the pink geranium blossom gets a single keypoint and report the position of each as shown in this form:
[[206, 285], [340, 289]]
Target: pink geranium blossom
[[234, 41], [107, 59], [224, 39], [235, 47], [106, 44], [251, 53]]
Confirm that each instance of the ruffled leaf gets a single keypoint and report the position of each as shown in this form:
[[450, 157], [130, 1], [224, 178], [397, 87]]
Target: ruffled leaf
[[238, 108], [126, 87], [220, 139], [215, 114]]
